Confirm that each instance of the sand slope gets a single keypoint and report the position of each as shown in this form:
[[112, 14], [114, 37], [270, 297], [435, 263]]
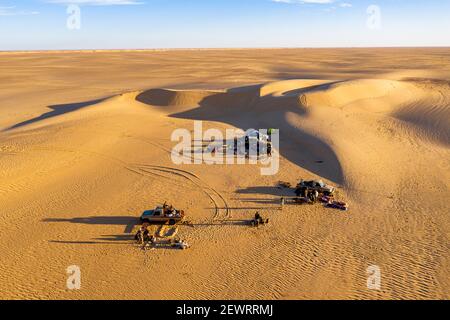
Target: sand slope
[[74, 178]]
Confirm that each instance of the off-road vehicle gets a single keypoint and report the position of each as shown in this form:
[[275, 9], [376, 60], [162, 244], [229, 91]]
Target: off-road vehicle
[[303, 187], [163, 215]]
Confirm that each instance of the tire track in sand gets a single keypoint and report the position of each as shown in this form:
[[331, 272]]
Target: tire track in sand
[[222, 210]]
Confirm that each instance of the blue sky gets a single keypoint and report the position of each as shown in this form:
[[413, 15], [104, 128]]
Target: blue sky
[[121, 24]]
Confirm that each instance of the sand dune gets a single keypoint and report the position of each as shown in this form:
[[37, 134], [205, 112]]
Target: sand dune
[[76, 175]]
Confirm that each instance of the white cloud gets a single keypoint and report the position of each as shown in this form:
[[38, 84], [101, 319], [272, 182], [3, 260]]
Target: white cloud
[[305, 1], [341, 4], [97, 2], [11, 11], [318, 1]]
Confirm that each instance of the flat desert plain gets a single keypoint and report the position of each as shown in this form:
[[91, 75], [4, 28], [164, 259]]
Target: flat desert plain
[[85, 145]]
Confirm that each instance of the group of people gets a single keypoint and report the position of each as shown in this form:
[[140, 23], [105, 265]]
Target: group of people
[[259, 220], [311, 195], [144, 237], [147, 240], [169, 211]]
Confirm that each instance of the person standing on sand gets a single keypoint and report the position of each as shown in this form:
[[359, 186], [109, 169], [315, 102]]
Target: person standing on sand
[[257, 147], [269, 149], [247, 146], [313, 195], [142, 234]]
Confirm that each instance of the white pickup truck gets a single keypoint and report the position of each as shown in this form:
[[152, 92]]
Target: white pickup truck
[[163, 215]]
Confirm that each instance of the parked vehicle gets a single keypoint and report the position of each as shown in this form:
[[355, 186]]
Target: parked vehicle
[[164, 214], [256, 135], [303, 187]]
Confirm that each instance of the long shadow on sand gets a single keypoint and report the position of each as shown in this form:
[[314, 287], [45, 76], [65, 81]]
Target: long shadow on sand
[[126, 221], [274, 191], [244, 108], [104, 239], [127, 238], [57, 110]]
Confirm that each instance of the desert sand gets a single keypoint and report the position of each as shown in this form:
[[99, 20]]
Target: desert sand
[[85, 148]]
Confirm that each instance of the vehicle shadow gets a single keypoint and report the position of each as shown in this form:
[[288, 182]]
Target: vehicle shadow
[[127, 221], [273, 191]]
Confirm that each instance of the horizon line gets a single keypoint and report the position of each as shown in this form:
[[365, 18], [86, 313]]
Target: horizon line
[[218, 48]]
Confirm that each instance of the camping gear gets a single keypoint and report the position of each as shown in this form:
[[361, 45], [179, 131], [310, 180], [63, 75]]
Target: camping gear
[[337, 205]]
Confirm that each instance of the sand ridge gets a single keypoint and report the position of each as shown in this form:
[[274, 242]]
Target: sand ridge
[[77, 175]]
